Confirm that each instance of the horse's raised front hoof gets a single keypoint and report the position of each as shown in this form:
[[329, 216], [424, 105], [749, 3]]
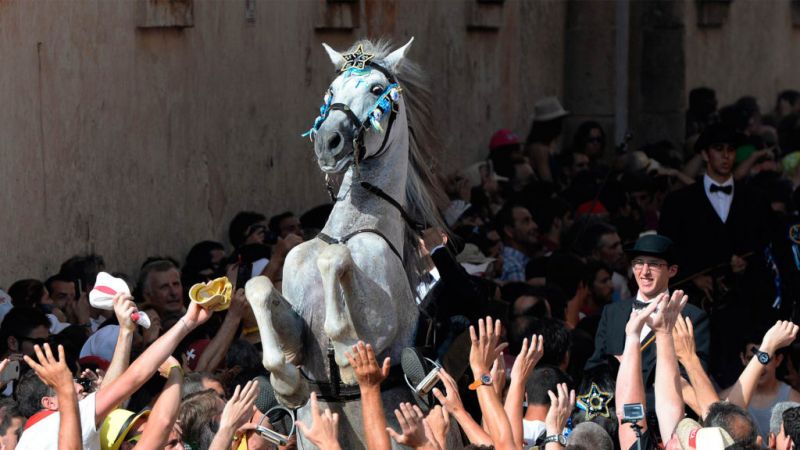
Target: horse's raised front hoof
[[290, 389]]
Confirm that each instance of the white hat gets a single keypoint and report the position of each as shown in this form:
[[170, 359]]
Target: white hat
[[548, 108]]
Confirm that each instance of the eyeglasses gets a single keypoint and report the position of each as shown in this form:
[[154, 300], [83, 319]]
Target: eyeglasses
[[654, 264]]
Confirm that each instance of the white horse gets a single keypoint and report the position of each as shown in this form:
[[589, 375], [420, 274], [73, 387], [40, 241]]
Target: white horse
[[353, 282]]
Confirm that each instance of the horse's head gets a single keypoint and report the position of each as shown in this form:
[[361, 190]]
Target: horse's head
[[358, 107]]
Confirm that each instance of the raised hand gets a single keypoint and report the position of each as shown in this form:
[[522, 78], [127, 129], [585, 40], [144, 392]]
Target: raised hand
[[239, 303], [195, 316], [324, 430], [438, 422], [638, 319], [527, 358], [669, 308], [123, 308], [683, 336], [561, 406], [451, 400], [368, 373], [779, 336], [411, 426], [485, 348], [498, 374], [239, 409], [53, 372]]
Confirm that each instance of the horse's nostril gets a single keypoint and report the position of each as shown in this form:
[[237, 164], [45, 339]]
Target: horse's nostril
[[334, 141]]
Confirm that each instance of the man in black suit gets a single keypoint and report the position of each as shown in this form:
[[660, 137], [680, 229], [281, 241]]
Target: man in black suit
[[720, 229], [653, 264]]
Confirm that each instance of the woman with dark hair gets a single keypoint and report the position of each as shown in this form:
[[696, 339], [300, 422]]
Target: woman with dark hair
[[590, 138], [542, 142]]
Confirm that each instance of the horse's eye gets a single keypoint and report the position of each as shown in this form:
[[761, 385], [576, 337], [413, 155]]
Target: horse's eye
[[376, 90]]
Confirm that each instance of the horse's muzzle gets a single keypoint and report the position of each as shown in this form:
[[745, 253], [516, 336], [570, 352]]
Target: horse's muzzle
[[334, 148]]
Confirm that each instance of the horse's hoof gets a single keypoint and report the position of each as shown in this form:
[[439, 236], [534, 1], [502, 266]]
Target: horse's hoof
[[293, 394]]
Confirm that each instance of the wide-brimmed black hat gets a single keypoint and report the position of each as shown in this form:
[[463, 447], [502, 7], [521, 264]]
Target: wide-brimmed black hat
[[718, 133], [653, 245]]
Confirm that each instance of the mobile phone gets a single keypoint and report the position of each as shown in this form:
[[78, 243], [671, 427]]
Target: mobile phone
[[632, 412], [79, 284], [11, 372]]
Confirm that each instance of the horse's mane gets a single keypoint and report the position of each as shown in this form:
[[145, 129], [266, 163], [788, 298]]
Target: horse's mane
[[425, 196]]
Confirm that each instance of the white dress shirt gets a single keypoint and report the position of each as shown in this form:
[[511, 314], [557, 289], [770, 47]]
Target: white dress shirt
[[640, 297], [719, 200]]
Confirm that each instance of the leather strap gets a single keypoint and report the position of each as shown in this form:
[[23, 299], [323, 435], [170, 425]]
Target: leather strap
[[331, 240]]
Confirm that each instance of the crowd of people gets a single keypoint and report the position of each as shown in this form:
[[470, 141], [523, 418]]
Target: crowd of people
[[642, 298]]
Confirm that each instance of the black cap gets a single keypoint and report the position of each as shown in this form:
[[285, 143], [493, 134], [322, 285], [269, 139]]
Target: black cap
[[653, 245], [718, 133]]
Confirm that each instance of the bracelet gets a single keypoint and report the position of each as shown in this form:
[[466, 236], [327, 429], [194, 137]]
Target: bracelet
[[176, 366], [183, 322], [250, 330]]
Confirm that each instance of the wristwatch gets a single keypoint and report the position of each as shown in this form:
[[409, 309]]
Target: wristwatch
[[484, 380], [555, 438], [763, 357]]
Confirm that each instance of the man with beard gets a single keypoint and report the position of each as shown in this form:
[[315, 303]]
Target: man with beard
[[519, 233], [603, 244]]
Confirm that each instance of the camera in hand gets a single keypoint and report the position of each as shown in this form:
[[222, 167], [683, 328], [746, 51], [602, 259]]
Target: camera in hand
[[632, 412]]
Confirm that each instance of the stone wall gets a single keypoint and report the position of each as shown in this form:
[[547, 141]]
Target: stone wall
[[128, 138]]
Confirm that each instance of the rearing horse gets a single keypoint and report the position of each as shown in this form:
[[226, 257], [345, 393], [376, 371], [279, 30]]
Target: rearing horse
[[353, 281]]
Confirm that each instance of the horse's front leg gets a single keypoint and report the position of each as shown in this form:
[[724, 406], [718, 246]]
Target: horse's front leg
[[356, 307], [281, 330]]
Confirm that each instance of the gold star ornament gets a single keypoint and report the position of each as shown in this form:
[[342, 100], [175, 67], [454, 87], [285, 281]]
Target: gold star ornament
[[595, 402], [356, 60]]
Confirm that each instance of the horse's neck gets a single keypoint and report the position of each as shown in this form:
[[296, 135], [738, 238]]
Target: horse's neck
[[358, 209]]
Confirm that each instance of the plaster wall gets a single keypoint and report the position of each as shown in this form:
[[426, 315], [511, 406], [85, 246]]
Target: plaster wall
[[131, 142]]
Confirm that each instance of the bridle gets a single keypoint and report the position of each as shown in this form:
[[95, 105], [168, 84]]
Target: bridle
[[387, 102]]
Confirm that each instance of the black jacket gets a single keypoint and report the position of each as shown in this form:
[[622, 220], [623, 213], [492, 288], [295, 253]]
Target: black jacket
[[610, 338]]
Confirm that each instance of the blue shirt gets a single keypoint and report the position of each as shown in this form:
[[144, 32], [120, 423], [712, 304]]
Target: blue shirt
[[514, 263]]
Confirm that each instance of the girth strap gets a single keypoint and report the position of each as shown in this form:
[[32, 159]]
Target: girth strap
[[331, 240], [340, 392]]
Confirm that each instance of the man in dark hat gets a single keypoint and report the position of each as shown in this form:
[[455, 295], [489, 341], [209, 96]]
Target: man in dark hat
[[720, 229], [653, 263]]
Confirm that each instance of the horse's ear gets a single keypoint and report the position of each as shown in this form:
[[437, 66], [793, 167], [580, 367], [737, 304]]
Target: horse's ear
[[396, 56], [336, 58]]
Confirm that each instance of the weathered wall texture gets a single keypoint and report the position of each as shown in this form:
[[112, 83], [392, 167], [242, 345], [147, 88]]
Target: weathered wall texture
[[132, 142], [755, 51]]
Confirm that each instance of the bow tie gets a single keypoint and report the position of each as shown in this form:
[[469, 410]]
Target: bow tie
[[638, 304], [727, 190]]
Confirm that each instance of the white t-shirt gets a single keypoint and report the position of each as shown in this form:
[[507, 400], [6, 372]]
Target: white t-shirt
[[531, 431], [43, 435]]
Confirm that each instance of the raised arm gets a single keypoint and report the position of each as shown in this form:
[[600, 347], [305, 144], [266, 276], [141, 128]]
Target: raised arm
[[669, 402], [237, 412], [780, 335], [561, 406], [146, 365], [630, 387], [55, 373], [370, 376], [484, 351], [219, 345], [324, 429], [165, 411], [523, 367], [123, 308], [452, 403], [699, 393]]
